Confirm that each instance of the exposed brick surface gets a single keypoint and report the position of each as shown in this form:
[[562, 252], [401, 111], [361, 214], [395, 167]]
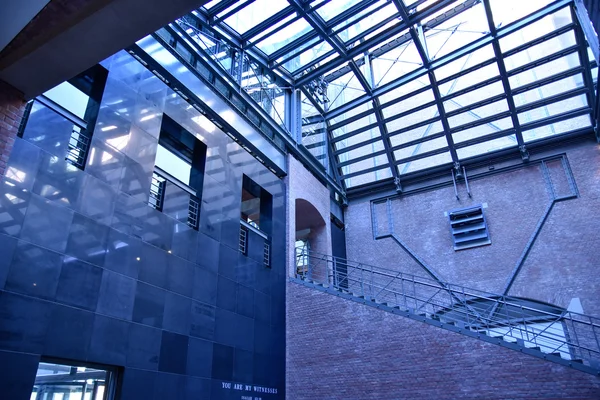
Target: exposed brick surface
[[12, 107], [562, 264], [339, 349], [303, 185]]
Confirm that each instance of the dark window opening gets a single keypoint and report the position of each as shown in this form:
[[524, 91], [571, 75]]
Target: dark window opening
[[256, 208], [178, 172], [256, 215], [62, 381]]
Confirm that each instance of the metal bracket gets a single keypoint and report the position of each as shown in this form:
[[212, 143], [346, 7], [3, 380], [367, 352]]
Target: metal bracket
[[524, 153], [398, 185]]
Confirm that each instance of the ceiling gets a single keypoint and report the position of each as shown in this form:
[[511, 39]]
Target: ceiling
[[392, 89]]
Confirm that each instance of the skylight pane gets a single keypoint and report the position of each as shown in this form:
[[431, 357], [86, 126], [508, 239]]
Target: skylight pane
[[364, 24], [539, 28], [362, 151], [349, 114], [468, 61], [478, 113], [355, 125], [308, 108], [420, 148], [457, 32], [211, 4], [507, 11], [553, 109], [370, 177], [307, 56], [358, 139], [365, 164], [408, 104], [286, 35], [412, 119], [482, 130], [417, 133], [470, 79], [343, 90], [335, 7], [541, 50], [545, 70], [487, 147], [558, 128], [267, 31], [255, 13], [550, 89], [423, 163], [396, 63], [405, 89], [474, 96]]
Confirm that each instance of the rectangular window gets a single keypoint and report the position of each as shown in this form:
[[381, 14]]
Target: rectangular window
[[256, 206], [469, 228], [178, 173], [256, 215], [78, 100], [73, 381]]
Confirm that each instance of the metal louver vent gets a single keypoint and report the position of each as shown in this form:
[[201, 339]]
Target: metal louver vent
[[469, 228]]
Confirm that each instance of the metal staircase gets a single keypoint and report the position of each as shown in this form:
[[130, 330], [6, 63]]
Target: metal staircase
[[538, 329]]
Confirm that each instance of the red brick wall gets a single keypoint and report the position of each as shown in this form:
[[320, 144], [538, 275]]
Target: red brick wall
[[301, 184], [339, 349], [12, 106], [562, 264]]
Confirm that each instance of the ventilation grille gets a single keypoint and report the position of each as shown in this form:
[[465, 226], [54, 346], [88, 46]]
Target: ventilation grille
[[469, 228]]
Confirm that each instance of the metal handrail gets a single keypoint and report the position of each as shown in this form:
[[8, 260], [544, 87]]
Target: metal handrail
[[571, 335]]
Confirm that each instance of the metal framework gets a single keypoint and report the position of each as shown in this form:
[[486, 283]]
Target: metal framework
[[389, 89]]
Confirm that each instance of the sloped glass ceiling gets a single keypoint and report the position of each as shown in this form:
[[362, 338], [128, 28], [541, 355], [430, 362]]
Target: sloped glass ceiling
[[394, 88]]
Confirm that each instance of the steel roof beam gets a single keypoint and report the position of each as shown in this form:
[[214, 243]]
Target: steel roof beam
[[317, 23]]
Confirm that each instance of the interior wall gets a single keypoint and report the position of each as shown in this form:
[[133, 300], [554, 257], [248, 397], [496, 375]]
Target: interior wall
[[89, 272], [302, 185], [340, 349], [561, 264]]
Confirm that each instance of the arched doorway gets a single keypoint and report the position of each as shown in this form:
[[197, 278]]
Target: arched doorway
[[311, 242]]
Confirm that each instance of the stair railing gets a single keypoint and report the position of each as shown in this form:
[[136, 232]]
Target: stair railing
[[569, 335]]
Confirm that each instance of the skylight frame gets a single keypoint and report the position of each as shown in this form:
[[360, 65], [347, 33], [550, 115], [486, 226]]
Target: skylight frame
[[350, 58]]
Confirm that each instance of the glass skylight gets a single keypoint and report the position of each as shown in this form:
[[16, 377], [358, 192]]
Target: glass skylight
[[255, 13], [396, 97]]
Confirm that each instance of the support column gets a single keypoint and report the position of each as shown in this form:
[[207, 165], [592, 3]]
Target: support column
[[12, 107]]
